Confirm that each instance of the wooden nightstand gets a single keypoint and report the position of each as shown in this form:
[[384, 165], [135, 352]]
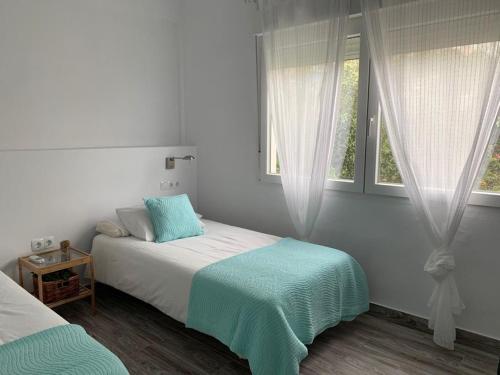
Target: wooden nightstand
[[56, 260]]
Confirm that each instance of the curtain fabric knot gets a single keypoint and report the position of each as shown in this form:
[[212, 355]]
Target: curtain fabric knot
[[440, 263], [445, 300]]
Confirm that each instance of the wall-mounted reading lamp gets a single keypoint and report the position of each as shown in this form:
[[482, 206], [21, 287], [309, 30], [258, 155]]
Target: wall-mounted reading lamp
[[170, 161]]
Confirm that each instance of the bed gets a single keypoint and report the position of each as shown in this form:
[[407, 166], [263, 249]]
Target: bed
[[263, 296], [35, 340], [17, 310]]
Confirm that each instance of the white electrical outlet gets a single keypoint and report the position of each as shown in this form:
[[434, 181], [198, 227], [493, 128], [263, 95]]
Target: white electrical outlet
[[37, 244], [49, 242]]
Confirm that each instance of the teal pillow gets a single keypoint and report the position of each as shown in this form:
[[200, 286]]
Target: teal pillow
[[173, 217]]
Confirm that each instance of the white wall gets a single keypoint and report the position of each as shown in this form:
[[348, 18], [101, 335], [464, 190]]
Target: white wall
[[83, 74], [89, 73], [380, 232], [65, 192]]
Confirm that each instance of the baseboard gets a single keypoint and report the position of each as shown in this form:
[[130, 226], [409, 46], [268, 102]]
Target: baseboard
[[473, 340]]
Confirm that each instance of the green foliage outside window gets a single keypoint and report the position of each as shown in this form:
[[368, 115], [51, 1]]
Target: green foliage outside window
[[388, 171], [348, 118], [491, 179]]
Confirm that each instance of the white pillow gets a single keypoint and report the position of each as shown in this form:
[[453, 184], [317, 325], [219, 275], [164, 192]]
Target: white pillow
[[136, 220], [199, 216], [111, 229]]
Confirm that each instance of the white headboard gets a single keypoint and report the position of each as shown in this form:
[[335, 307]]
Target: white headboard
[[65, 192]]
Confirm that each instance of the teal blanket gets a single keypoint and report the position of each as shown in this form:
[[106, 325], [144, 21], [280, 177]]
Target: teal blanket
[[60, 350], [268, 303]]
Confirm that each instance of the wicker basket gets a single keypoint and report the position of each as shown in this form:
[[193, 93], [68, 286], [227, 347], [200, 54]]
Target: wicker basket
[[57, 290]]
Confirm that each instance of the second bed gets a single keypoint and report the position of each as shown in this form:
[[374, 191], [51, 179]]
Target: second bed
[[35, 340]]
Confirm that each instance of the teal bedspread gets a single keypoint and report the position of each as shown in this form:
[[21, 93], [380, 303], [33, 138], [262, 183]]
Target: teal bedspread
[[60, 350], [268, 303]]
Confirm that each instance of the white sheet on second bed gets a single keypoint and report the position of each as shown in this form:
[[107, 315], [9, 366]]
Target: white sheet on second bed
[[161, 274], [21, 314]]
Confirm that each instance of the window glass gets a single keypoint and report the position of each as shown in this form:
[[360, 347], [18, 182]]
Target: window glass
[[490, 181], [387, 169], [346, 132], [348, 117], [388, 172]]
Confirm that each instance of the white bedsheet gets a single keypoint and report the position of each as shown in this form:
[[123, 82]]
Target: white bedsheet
[[161, 274], [21, 314]]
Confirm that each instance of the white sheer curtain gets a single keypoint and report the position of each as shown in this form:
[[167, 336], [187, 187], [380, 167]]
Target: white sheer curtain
[[437, 65], [303, 44]]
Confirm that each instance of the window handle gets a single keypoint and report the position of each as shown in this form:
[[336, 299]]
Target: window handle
[[371, 126]]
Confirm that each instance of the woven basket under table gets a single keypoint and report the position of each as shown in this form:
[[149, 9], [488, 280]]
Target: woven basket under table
[[57, 290]]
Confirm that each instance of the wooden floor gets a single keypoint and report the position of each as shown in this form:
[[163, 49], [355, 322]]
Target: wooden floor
[[149, 342]]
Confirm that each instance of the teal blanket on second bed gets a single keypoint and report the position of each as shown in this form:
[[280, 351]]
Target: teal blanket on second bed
[[65, 349], [266, 304]]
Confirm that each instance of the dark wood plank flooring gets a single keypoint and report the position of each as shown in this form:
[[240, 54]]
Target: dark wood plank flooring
[[149, 342]]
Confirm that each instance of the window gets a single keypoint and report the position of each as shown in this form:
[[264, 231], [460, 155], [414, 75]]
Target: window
[[387, 171], [353, 112], [382, 173], [348, 116], [368, 164], [349, 112]]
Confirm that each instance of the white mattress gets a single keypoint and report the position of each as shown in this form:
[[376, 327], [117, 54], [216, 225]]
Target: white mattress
[[161, 274], [21, 314]]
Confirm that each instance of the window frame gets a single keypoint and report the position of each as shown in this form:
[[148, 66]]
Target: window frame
[[264, 129], [372, 139]]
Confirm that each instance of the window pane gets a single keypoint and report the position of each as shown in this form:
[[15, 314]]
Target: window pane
[[346, 132], [387, 169], [273, 161], [348, 117], [388, 173], [349, 121], [490, 181]]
